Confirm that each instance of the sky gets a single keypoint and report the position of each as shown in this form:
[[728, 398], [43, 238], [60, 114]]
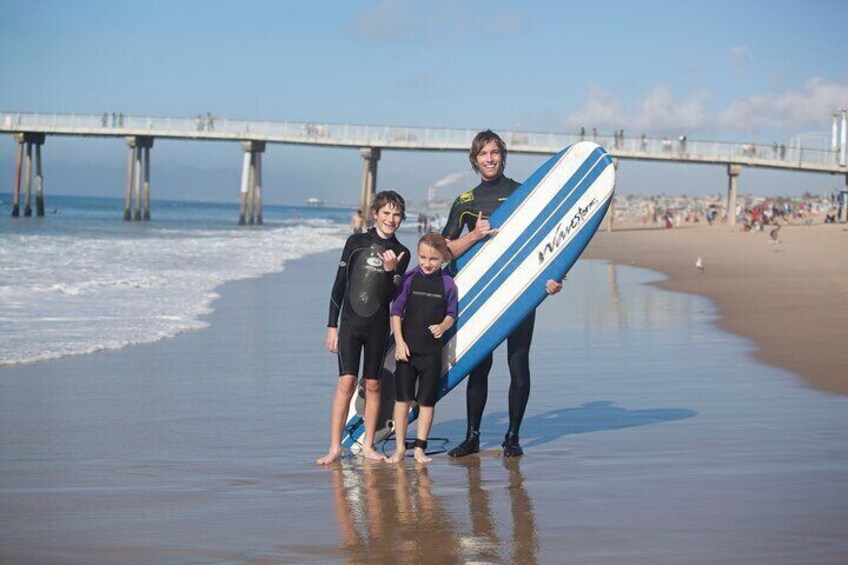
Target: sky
[[712, 70]]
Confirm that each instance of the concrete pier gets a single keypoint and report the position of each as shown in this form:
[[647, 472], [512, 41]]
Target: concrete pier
[[370, 156], [732, 191], [251, 183], [138, 168], [28, 181]]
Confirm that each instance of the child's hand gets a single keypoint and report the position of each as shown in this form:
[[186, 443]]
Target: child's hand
[[390, 260], [401, 351], [332, 340], [437, 330]]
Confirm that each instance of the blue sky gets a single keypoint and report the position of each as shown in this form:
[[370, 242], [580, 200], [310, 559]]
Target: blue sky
[[754, 70]]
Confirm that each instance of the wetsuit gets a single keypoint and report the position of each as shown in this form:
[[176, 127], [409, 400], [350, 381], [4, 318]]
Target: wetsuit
[[361, 296], [422, 301], [485, 198]]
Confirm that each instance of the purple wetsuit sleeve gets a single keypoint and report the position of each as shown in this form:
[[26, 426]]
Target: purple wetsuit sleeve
[[451, 297], [403, 292]]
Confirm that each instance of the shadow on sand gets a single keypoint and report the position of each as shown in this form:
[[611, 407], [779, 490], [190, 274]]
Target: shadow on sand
[[598, 416]]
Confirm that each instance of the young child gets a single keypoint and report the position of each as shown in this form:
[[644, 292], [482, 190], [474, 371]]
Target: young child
[[424, 309], [370, 270]]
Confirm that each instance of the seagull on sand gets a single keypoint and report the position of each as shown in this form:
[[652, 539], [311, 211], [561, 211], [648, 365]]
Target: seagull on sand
[[699, 264], [773, 234]]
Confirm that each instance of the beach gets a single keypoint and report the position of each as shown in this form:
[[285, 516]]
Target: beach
[[790, 296], [652, 436]]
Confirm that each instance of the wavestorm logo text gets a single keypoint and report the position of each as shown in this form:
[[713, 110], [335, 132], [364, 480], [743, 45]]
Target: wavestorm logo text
[[564, 229]]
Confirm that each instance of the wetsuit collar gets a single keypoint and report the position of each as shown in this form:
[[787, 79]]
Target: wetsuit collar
[[434, 274], [491, 183], [377, 237]]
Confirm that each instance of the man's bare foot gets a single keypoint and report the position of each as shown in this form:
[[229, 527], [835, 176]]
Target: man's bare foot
[[369, 453], [332, 456], [421, 457], [397, 456]]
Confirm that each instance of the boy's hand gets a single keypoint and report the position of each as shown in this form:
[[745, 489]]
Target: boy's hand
[[482, 228], [401, 351], [332, 340], [553, 287], [390, 260]]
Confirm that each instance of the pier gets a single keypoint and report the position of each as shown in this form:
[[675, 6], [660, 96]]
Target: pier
[[31, 130]]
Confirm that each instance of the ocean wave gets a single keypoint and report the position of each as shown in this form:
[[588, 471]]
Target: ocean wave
[[64, 295]]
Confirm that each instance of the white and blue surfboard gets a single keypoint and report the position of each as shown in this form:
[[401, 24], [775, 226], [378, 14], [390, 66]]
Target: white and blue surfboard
[[543, 227]]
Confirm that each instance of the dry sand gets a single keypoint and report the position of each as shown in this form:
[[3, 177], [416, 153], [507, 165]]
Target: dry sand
[[790, 297]]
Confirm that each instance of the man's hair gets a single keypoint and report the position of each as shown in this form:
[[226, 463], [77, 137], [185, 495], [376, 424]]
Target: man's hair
[[437, 242], [480, 140], [391, 198]]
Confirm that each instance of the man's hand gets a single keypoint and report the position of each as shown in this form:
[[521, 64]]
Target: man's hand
[[482, 228], [553, 287], [332, 340]]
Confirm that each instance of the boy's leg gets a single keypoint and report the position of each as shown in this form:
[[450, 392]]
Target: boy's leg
[[341, 401], [400, 416], [372, 412]]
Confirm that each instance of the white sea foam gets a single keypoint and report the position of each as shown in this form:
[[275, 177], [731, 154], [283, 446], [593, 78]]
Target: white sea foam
[[66, 294]]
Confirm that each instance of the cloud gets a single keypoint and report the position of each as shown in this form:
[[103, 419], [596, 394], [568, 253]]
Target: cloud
[[809, 107], [452, 178], [435, 21], [739, 54]]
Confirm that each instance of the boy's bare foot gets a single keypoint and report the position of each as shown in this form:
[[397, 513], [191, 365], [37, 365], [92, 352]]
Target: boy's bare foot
[[332, 456], [369, 453], [421, 457], [397, 456]]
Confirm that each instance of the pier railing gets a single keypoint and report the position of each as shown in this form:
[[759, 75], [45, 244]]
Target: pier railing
[[210, 127]]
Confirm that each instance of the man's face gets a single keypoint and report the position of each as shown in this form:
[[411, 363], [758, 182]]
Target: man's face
[[490, 161]]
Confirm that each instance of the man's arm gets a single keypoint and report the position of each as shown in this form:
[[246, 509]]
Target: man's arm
[[463, 243]]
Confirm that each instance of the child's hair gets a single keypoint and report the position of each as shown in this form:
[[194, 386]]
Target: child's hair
[[391, 198], [437, 242]]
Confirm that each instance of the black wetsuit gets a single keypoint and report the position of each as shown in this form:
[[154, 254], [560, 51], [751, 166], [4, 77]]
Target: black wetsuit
[[485, 198], [422, 301], [361, 296]]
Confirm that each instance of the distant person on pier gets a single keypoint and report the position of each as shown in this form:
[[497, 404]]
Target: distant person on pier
[[104, 119], [369, 272], [470, 213], [210, 121]]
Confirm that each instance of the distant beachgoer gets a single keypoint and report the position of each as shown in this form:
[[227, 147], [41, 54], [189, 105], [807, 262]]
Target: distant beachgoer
[[370, 270], [104, 119], [357, 222], [424, 309]]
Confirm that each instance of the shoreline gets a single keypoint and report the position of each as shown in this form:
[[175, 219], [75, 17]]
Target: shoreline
[[789, 298]]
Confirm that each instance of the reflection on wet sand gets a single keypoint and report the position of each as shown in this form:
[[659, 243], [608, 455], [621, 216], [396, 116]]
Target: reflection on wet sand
[[394, 514]]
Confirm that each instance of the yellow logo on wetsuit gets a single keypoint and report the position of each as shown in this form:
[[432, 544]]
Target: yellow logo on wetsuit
[[466, 196]]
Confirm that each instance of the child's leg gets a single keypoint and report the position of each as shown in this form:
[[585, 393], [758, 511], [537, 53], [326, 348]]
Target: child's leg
[[372, 412], [425, 421], [344, 392], [401, 416]]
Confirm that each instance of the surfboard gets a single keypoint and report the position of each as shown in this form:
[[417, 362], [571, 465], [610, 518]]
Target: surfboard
[[543, 227]]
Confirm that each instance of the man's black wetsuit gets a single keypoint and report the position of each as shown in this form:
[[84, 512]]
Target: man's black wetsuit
[[362, 293], [422, 301], [485, 198]]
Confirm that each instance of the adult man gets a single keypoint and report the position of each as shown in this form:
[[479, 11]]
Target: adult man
[[471, 210]]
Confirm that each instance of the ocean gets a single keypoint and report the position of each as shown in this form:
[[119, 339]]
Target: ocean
[[82, 280]]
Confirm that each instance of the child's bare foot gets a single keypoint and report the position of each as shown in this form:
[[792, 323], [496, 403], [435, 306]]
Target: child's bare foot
[[369, 453], [332, 456], [421, 457], [397, 456]]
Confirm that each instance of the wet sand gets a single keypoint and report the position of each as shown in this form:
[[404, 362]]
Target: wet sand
[[790, 298], [651, 436]]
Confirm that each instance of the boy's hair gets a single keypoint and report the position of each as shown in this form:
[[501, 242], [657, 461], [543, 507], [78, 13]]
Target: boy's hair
[[479, 141], [437, 242], [391, 198]]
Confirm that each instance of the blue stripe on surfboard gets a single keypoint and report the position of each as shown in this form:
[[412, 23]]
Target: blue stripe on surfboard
[[506, 209], [527, 242], [522, 306]]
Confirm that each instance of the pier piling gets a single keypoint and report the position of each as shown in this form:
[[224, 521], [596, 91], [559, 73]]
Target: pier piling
[[251, 183], [16, 198], [28, 181], [370, 157], [138, 168], [733, 171]]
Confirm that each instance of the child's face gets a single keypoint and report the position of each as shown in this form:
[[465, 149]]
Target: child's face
[[429, 260], [387, 220]]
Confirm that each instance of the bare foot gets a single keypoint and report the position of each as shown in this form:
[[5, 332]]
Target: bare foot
[[369, 453], [397, 456], [332, 456], [421, 457]]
